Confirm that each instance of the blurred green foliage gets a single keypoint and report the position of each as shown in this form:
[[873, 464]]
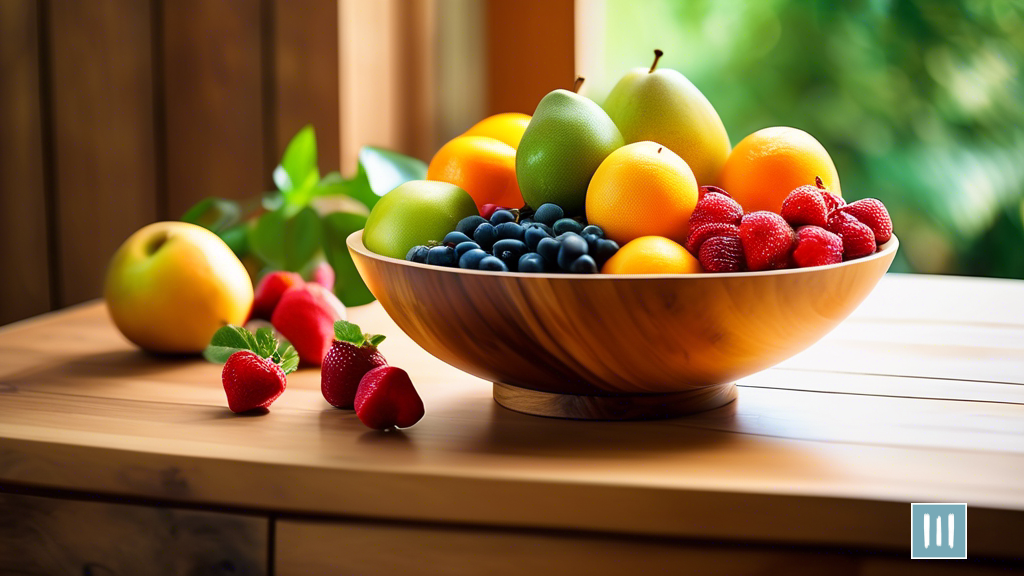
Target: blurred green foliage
[[919, 102]]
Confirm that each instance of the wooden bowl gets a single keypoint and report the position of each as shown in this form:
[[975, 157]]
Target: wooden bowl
[[607, 346]]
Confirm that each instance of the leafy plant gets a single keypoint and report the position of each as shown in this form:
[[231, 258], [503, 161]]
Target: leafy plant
[[230, 339], [292, 228]]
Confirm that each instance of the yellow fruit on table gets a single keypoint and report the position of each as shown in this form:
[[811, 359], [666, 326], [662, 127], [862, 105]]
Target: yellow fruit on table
[[171, 285], [507, 127], [652, 255], [642, 189], [484, 167], [770, 163]]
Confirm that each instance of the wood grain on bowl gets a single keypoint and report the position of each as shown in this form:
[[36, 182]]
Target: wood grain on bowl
[[604, 334]]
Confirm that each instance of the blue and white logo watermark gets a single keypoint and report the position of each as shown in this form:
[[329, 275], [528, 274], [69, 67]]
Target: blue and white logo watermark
[[938, 531]]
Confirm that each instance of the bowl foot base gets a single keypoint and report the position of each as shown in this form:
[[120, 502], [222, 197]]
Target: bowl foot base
[[618, 407]]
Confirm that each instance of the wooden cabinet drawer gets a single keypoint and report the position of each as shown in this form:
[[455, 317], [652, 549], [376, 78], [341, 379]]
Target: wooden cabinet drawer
[[41, 535]]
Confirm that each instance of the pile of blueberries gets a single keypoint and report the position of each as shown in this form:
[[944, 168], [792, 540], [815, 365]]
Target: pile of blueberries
[[518, 241]]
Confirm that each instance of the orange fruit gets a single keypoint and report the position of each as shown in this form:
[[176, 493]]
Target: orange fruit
[[484, 167], [507, 127], [642, 189], [770, 163], [652, 255]]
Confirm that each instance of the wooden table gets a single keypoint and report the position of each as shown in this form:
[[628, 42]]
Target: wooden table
[[111, 459]]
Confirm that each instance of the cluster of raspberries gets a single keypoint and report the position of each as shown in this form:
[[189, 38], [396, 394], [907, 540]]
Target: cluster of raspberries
[[815, 227]]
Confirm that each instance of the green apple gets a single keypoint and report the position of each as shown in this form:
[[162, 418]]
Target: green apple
[[566, 140], [171, 285], [664, 107], [413, 214]]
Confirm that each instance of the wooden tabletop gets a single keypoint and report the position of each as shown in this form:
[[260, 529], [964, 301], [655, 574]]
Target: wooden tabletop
[[918, 397]]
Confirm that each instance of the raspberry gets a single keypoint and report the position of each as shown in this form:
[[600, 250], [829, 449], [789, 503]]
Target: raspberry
[[872, 212], [816, 246], [767, 240], [705, 231], [858, 239], [805, 205], [717, 208], [722, 254]]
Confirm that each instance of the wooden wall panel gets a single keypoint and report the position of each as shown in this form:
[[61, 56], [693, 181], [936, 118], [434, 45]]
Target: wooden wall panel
[[305, 74], [213, 100], [530, 51], [40, 535], [25, 290], [103, 141]]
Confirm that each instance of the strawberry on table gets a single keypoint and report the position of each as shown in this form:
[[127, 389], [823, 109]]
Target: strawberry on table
[[351, 356], [387, 399], [255, 366]]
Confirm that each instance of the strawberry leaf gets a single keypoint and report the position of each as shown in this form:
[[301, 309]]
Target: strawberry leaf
[[266, 344], [289, 360], [374, 339], [348, 332], [228, 340]]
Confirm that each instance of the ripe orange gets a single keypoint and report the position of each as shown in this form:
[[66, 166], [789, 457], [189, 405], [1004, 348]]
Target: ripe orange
[[770, 163], [484, 167], [642, 189], [507, 127], [652, 255]]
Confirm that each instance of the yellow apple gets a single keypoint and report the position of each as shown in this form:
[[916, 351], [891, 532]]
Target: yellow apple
[[171, 285]]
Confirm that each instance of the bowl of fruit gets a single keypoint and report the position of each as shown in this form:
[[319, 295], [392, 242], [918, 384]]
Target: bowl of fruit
[[594, 263]]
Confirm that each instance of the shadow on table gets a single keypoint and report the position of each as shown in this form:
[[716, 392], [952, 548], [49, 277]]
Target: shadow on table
[[108, 366]]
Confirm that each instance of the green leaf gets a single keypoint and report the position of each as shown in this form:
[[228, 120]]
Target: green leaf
[[298, 168], [348, 332], [237, 238], [214, 214], [286, 243], [266, 344], [289, 360], [228, 340], [348, 285], [380, 171], [375, 339]]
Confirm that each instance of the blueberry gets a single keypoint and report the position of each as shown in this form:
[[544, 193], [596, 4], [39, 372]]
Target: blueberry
[[567, 225], [509, 251], [468, 224], [464, 247], [417, 254], [485, 235], [593, 229], [441, 256], [455, 238], [502, 216], [535, 235], [573, 247], [492, 264], [583, 265], [592, 240], [548, 249], [508, 230], [531, 262], [525, 221], [472, 258], [605, 250], [548, 214]]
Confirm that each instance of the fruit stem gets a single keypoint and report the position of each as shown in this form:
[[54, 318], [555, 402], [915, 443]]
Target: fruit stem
[[817, 180], [576, 85], [657, 56]]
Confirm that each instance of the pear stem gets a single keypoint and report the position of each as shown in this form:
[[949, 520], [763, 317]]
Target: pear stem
[[657, 56], [576, 85]]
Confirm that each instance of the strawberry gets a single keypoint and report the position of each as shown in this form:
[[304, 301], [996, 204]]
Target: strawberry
[[705, 231], [767, 240], [705, 189], [305, 316], [722, 254], [805, 205], [323, 275], [714, 207], [254, 366], [816, 246], [488, 210], [269, 290], [832, 201], [387, 398], [858, 239], [352, 355], [872, 212]]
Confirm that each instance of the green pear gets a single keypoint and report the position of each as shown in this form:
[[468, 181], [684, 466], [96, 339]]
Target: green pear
[[664, 107], [413, 214], [566, 140]]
